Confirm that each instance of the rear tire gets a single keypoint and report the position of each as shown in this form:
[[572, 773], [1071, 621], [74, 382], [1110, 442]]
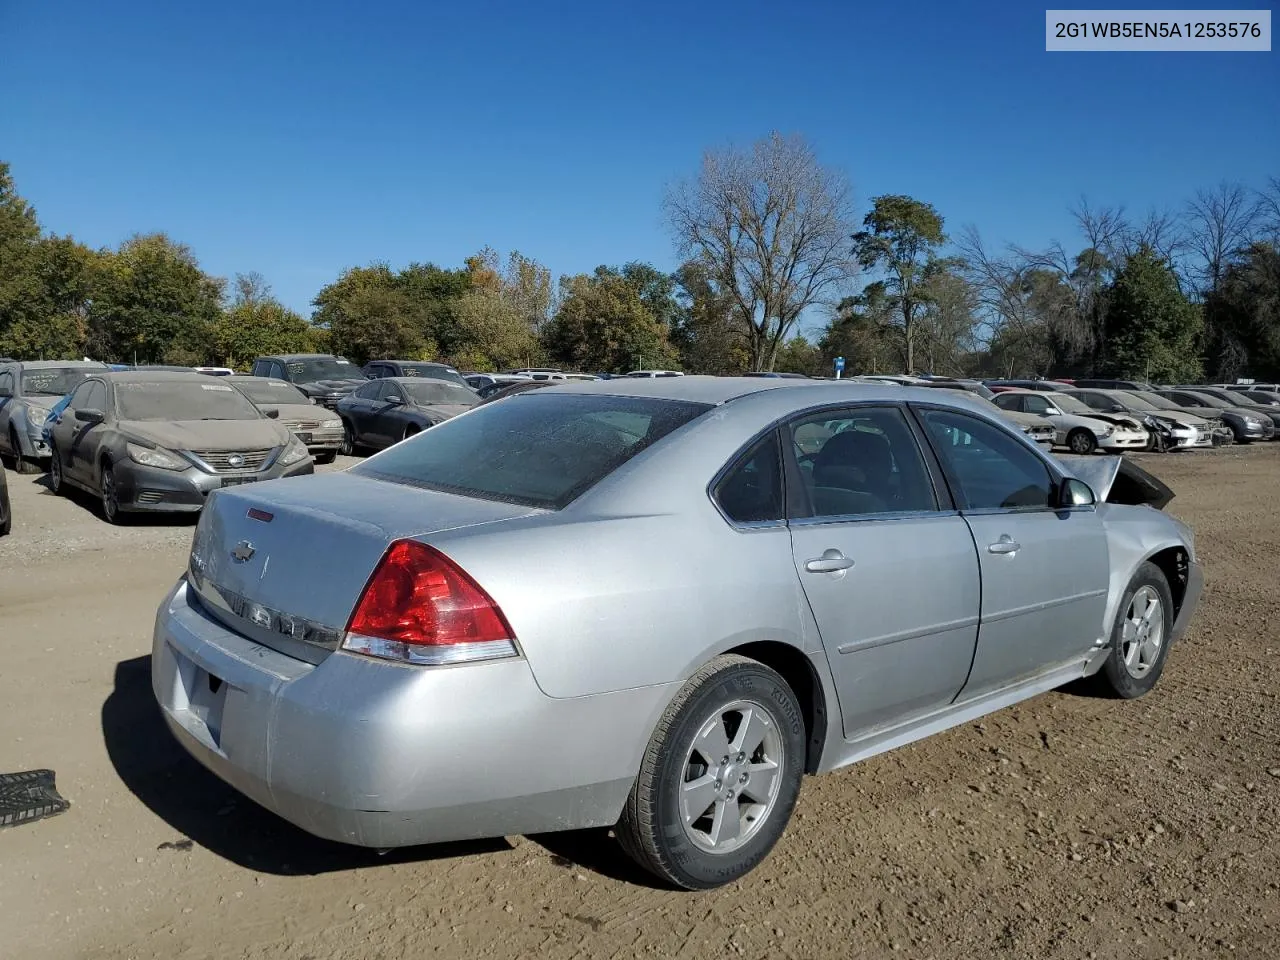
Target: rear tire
[[327, 456], [699, 820], [1081, 441], [1140, 636], [410, 431]]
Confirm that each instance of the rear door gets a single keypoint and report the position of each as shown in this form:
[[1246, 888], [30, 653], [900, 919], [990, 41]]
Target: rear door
[[1045, 571], [889, 568]]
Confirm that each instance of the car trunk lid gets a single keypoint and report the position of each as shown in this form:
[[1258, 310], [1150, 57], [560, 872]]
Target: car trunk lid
[[284, 562]]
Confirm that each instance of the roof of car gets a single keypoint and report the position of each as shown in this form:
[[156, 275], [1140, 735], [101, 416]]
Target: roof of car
[[299, 356], [155, 376], [416, 363], [60, 364], [451, 383]]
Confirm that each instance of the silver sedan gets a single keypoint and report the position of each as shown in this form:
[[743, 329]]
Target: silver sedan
[[652, 603]]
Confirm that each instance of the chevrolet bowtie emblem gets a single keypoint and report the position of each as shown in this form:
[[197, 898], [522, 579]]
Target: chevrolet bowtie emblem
[[244, 551]]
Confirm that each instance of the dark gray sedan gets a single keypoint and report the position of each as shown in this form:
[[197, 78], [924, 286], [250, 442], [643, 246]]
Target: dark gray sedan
[[386, 411], [161, 442]]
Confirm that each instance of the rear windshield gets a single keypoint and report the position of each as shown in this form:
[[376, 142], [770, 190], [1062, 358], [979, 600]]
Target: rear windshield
[[439, 391], [541, 449], [271, 391], [196, 399]]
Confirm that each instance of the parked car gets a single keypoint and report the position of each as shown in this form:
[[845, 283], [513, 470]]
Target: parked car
[[1046, 386], [1080, 428], [1262, 397], [1268, 407], [27, 392], [654, 373], [1169, 429], [6, 508], [1094, 384], [657, 674], [1221, 433], [1246, 425], [511, 389], [486, 383], [160, 442], [386, 411], [1039, 429], [316, 426], [1259, 387], [324, 378], [216, 371], [378, 369]]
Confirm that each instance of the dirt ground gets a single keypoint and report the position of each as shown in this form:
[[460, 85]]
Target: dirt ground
[[1067, 827]]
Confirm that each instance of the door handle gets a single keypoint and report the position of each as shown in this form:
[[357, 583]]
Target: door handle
[[1005, 545], [831, 561]]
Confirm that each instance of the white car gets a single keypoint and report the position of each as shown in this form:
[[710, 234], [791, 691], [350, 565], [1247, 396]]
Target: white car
[[1079, 427], [654, 373]]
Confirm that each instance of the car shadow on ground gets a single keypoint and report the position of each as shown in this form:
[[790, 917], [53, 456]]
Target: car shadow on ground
[[203, 809]]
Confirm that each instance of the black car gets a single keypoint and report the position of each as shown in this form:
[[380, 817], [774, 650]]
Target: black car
[[511, 389], [1114, 385], [324, 378], [6, 511], [1046, 386], [380, 369], [382, 412]]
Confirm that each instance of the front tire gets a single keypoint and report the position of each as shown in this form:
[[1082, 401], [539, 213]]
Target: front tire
[[110, 495], [1141, 635], [1081, 441], [326, 456], [20, 463], [348, 448], [56, 484], [719, 778]]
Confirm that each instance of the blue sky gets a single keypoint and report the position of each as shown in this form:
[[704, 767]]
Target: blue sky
[[296, 139]]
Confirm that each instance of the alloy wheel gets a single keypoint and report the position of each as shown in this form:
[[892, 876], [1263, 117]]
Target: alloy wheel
[[1143, 633]]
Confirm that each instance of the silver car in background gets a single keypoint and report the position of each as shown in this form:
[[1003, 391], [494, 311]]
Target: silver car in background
[[655, 603], [28, 391]]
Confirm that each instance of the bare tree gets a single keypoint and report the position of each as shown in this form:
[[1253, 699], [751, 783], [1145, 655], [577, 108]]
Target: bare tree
[[1269, 209], [771, 227], [1219, 223]]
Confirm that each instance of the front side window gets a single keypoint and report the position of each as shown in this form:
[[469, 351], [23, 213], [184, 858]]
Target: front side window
[[861, 462], [1009, 401], [1037, 405], [535, 448], [993, 470], [97, 398], [751, 492], [431, 391]]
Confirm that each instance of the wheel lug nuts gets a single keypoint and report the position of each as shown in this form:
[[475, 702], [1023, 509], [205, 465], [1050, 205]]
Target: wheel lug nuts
[[743, 778], [730, 794], [719, 784], [741, 757], [726, 759]]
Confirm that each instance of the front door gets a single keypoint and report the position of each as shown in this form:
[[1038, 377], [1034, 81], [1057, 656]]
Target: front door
[[889, 571], [1045, 572]]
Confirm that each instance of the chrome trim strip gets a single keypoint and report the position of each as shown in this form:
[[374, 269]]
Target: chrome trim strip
[[855, 645], [1042, 605]]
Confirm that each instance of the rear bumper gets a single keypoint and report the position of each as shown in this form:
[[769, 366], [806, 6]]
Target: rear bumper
[[383, 755], [144, 489]]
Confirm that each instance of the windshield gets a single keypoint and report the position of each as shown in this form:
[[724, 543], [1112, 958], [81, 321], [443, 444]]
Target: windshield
[[438, 391], [182, 400], [431, 370], [1261, 396], [1208, 399], [1141, 402], [1153, 401], [52, 382], [322, 368], [271, 391], [1069, 404], [541, 449]]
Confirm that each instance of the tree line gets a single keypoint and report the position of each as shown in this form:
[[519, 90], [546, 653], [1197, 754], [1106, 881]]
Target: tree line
[[768, 243]]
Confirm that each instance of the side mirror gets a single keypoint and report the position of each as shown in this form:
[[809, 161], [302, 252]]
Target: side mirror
[[1075, 493], [1116, 408], [89, 415], [271, 413], [394, 400]]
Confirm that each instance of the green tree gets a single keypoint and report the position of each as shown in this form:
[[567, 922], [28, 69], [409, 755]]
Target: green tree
[[1152, 328], [153, 302], [603, 324], [861, 331], [705, 332], [257, 323], [770, 226], [491, 332], [798, 355], [19, 232], [1245, 311], [900, 238], [369, 314]]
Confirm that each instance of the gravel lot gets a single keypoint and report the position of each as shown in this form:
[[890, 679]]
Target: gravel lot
[[1067, 827]]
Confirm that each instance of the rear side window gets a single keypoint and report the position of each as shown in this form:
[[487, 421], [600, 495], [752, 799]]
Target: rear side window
[[751, 492], [536, 449]]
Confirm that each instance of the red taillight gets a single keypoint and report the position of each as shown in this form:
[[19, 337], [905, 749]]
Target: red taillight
[[420, 606]]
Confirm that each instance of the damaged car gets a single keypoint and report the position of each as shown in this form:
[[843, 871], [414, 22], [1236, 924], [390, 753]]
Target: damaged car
[[156, 442], [1080, 428], [680, 595], [28, 393]]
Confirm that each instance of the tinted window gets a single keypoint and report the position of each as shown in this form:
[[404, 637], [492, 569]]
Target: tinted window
[[321, 368], [993, 469], [260, 368], [538, 449], [6, 384], [79, 397], [1038, 405], [858, 462], [194, 399], [1009, 401], [368, 391], [752, 490], [96, 399]]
